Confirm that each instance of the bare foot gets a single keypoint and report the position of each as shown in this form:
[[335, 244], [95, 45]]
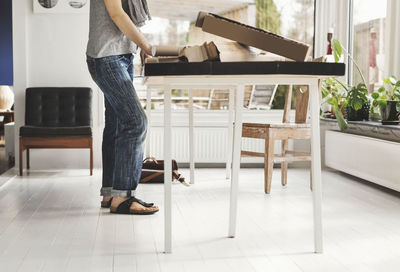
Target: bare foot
[[137, 208]]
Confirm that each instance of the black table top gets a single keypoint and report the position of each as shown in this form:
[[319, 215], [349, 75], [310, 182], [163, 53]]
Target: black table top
[[244, 68]]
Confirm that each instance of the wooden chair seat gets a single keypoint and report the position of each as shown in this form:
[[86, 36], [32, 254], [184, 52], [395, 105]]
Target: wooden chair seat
[[276, 125], [283, 131]]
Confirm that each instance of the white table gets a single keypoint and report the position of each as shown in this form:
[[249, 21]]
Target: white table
[[169, 82]]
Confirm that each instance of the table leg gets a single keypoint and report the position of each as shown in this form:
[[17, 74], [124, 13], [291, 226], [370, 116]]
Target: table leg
[[191, 137], [168, 171], [230, 134], [316, 165], [236, 160], [148, 113]]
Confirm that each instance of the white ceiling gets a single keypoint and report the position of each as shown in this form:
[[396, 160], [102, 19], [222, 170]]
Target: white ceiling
[[188, 9]]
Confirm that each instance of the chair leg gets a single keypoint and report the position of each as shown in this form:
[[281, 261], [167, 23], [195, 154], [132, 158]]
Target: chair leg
[[91, 156], [21, 153], [284, 165], [28, 165], [268, 163]]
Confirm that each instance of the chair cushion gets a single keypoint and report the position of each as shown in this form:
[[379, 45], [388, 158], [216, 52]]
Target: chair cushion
[[35, 131], [58, 107]]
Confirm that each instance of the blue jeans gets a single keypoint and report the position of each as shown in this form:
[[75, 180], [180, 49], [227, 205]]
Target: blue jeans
[[125, 124]]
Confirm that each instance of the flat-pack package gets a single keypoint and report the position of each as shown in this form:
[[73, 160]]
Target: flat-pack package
[[208, 51], [251, 36]]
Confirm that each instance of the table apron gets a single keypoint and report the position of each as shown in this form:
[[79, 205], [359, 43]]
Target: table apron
[[193, 82]]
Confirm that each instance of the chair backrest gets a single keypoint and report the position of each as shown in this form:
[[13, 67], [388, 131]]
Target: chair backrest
[[58, 107], [302, 95]]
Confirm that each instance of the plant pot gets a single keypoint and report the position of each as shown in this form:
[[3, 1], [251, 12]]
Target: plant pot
[[389, 114], [359, 115]]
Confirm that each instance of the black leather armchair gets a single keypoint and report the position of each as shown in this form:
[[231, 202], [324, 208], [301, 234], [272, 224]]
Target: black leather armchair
[[56, 118]]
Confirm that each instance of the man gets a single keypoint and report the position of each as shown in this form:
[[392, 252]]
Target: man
[[113, 38]]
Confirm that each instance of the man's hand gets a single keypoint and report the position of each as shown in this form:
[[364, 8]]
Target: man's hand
[[143, 56]]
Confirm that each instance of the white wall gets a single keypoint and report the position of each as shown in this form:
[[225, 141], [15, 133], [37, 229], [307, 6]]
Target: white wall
[[49, 50]]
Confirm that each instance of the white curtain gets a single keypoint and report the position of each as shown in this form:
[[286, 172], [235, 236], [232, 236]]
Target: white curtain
[[331, 14], [392, 39]]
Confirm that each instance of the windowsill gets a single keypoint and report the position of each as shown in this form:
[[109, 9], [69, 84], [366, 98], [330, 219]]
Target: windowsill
[[366, 128]]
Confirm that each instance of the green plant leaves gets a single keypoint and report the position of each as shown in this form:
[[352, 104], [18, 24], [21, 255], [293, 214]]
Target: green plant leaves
[[375, 95], [337, 49], [332, 101], [389, 92], [342, 123], [357, 96], [357, 105], [382, 103], [392, 80]]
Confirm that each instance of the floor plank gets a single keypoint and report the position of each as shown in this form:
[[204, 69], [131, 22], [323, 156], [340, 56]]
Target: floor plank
[[51, 221]]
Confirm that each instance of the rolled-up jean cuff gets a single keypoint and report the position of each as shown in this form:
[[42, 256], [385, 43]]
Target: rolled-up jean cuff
[[105, 191], [122, 193]]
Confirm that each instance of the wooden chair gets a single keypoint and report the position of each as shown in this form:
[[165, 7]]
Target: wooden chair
[[284, 131], [56, 118]]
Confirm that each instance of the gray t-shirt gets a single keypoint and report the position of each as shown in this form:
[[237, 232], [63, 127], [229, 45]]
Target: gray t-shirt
[[105, 38]]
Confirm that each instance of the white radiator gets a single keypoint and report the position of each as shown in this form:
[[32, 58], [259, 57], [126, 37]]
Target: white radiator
[[210, 135], [210, 144], [368, 158]]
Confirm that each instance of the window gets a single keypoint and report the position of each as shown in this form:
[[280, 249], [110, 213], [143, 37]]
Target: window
[[291, 18], [368, 41], [296, 19]]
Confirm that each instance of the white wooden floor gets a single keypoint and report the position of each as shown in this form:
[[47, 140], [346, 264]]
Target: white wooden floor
[[51, 221]]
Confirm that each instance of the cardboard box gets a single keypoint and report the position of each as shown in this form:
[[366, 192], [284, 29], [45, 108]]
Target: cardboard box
[[224, 51], [252, 36], [234, 52], [167, 50], [197, 53]]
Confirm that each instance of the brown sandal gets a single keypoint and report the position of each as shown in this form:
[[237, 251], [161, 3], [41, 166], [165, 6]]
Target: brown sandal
[[106, 204], [134, 206]]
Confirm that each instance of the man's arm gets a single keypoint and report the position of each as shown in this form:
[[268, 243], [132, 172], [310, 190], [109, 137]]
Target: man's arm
[[125, 24]]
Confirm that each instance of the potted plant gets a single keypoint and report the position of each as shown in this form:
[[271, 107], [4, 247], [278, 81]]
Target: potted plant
[[387, 100], [358, 105], [334, 91]]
